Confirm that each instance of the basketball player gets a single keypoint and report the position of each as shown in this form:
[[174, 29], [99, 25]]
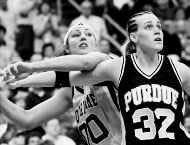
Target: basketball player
[[96, 115], [150, 86]]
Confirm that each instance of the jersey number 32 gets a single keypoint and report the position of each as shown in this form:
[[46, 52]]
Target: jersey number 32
[[149, 123]]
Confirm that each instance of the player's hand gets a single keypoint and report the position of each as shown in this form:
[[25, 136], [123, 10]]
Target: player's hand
[[17, 81], [13, 71]]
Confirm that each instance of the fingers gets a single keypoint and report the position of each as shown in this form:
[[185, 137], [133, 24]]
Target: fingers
[[16, 81], [12, 69], [9, 72], [17, 78], [13, 85]]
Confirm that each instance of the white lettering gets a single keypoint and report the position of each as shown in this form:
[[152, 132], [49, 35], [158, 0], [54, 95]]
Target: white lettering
[[127, 100], [146, 93], [156, 93], [137, 98], [151, 93]]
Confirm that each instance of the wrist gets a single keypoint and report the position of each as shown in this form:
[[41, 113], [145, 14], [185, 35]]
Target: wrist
[[32, 67]]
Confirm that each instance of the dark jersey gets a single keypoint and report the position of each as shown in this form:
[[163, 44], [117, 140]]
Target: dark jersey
[[151, 105]]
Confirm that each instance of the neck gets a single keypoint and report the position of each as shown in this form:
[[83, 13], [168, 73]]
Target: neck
[[147, 58]]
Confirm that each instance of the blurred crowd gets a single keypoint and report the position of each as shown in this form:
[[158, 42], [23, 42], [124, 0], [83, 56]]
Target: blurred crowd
[[32, 30]]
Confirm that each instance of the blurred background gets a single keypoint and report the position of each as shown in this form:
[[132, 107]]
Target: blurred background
[[32, 30]]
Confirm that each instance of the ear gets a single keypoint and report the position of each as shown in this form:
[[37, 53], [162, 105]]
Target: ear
[[133, 37]]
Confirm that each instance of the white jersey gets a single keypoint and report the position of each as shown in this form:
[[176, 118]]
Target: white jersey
[[96, 115]]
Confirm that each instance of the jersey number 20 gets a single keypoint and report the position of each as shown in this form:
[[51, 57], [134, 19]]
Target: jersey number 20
[[150, 123]]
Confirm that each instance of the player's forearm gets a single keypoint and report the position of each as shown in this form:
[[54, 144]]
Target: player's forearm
[[14, 112], [69, 62], [62, 63], [44, 79]]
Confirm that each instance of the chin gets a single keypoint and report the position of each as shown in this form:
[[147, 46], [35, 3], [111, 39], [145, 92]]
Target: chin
[[158, 48], [84, 51]]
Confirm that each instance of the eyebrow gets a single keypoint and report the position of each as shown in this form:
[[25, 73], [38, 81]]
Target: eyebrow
[[158, 22], [75, 31], [80, 30]]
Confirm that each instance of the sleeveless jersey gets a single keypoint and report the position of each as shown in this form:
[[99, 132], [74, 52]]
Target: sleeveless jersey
[[151, 105], [97, 117]]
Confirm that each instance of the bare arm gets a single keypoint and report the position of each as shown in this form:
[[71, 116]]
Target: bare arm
[[43, 79], [62, 63], [184, 73], [69, 62], [108, 70], [56, 105]]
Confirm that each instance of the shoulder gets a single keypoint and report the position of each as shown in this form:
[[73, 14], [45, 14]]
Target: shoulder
[[112, 68], [112, 62], [182, 69], [94, 58], [108, 66]]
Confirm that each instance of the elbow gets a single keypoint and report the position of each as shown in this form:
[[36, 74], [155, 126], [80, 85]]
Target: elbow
[[26, 126], [28, 122]]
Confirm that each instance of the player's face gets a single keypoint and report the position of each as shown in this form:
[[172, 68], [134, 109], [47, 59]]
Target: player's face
[[82, 41], [149, 35]]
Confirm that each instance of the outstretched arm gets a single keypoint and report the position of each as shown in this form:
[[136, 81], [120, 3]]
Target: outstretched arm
[[108, 70], [56, 105], [36, 80], [62, 63]]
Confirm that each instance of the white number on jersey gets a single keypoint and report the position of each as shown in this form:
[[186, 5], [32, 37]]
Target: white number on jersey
[[150, 123]]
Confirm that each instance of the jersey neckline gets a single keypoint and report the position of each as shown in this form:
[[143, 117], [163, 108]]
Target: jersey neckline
[[148, 76]]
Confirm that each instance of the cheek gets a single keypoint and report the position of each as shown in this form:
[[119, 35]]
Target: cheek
[[92, 42], [73, 44], [145, 38]]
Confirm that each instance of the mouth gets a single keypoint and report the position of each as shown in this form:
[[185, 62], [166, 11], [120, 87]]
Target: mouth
[[83, 45], [158, 39]]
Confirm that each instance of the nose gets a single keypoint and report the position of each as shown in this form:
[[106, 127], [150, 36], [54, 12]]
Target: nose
[[83, 37], [157, 31]]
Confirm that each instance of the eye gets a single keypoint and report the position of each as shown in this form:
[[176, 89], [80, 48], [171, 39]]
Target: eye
[[89, 34], [149, 26], [75, 35], [159, 26]]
